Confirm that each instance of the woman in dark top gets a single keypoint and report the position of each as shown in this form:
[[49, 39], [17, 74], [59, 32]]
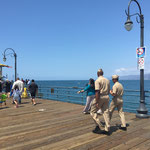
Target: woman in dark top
[[90, 88]]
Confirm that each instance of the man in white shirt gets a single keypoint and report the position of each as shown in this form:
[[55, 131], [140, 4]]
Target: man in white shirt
[[20, 84]]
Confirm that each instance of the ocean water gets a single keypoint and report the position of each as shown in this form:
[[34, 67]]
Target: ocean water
[[127, 84], [66, 90]]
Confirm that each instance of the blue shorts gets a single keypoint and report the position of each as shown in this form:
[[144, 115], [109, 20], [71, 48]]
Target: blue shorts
[[16, 97]]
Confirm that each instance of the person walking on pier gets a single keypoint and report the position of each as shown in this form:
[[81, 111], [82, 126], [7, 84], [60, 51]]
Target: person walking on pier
[[33, 88], [102, 88], [16, 95], [90, 88], [20, 85], [117, 101]]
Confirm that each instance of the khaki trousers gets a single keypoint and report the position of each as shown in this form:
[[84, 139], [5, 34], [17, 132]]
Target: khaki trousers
[[117, 103], [103, 103]]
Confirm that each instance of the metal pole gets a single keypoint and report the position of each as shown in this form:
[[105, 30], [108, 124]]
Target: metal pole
[[15, 66], [142, 95], [142, 111], [15, 55]]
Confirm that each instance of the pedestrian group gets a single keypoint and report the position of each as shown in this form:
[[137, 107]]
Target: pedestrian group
[[97, 103], [16, 89]]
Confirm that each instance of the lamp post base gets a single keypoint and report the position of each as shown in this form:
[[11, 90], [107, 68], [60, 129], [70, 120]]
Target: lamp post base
[[142, 112], [142, 116]]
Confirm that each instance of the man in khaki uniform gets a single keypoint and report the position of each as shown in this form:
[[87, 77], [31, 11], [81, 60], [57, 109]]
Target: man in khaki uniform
[[117, 101], [102, 89]]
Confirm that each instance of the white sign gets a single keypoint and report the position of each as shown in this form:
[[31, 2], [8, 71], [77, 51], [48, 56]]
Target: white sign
[[141, 63]]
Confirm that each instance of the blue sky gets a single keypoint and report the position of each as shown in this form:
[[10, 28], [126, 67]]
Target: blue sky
[[71, 39]]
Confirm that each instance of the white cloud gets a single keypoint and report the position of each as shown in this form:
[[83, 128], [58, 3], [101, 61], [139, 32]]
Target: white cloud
[[126, 71], [131, 71], [120, 70]]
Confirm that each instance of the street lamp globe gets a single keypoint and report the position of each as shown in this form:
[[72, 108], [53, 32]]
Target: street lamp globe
[[4, 59], [128, 25]]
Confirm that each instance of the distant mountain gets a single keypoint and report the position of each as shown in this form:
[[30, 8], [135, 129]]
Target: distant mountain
[[134, 77]]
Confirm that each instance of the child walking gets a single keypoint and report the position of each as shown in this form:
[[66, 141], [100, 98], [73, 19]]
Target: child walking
[[16, 95]]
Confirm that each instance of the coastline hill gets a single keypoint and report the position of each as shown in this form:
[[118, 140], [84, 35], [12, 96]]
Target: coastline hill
[[134, 77]]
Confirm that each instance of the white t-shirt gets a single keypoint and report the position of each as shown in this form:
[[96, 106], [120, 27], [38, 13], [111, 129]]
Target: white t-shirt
[[20, 85]]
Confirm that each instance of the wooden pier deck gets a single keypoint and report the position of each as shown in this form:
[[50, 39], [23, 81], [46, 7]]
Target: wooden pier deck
[[62, 126]]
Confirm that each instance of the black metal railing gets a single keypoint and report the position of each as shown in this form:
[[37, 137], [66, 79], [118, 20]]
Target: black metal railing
[[69, 94], [66, 94]]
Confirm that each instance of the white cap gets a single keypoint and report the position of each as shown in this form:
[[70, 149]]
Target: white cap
[[100, 70], [115, 76]]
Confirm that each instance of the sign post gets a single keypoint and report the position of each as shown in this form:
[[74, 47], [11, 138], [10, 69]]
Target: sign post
[[141, 63], [140, 53]]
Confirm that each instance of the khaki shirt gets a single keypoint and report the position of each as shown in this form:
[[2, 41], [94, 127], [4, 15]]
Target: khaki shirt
[[103, 85], [118, 89]]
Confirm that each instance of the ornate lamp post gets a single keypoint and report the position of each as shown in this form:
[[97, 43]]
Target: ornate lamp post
[[141, 111], [15, 56]]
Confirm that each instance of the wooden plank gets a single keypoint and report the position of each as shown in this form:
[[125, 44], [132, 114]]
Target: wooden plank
[[63, 126], [119, 139], [70, 143], [142, 146], [129, 144], [115, 137], [45, 140], [113, 140]]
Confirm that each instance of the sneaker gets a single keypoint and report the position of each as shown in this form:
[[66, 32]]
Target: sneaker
[[84, 112], [123, 128], [105, 132], [96, 130]]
